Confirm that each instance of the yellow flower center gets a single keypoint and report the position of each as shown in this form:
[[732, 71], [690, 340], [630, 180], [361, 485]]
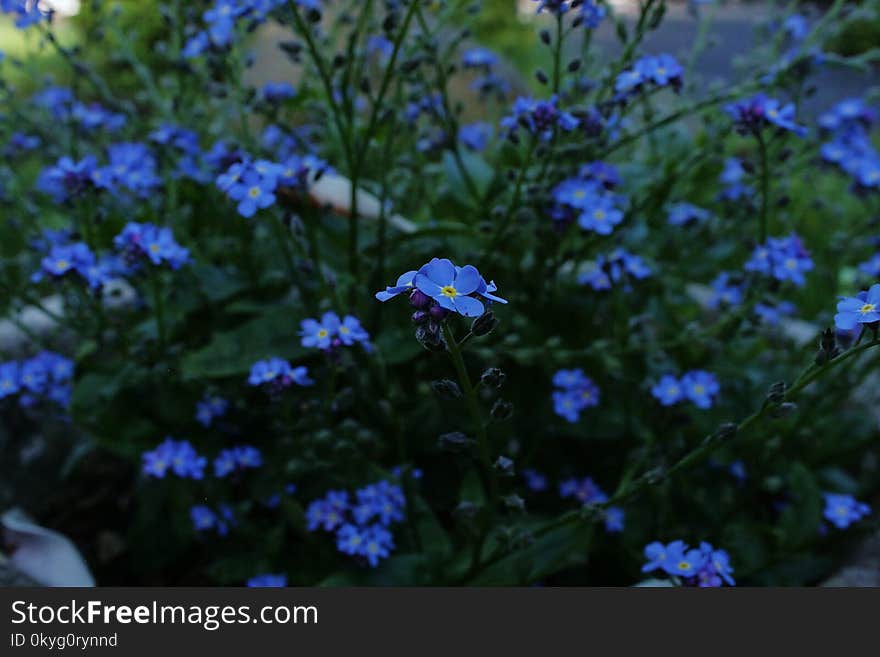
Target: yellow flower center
[[772, 113], [344, 330], [868, 308], [699, 389], [791, 263], [684, 565], [154, 248], [661, 70], [323, 333], [599, 215], [62, 264], [449, 291], [254, 192], [580, 193]]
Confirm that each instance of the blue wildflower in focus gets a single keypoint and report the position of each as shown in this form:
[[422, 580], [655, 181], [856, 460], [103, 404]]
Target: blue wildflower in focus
[[331, 332], [783, 258], [862, 309], [704, 566], [451, 287], [268, 580], [210, 408], [253, 192], [575, 393], [177, 456], [759, 111], [843, 510], [668, 390], [538, 118], [278, 374], [700, 387], [682, 214]]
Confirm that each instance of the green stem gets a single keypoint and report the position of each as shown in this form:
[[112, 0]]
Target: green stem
[[765, 185]]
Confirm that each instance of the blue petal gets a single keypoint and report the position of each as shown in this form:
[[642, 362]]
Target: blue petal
[[468, 306], [440, 272], [467, 280]]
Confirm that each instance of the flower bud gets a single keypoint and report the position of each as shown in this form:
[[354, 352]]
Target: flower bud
[[504, 465], [429, 337], [455, 441], [493, 378], [420, 300], [420, 317], [501, 410], [446, 389], [484, 324], [776, 394], [438, 313]]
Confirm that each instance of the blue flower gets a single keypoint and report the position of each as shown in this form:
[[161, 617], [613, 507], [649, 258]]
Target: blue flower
[[668, 390], [602, 214], [577, 393], [475, 136], [617, 266], [319, 333], [585, 491], [156, 244], [327, 513], [771, 314], [700, 387], [350, 539], [681, 214], [538, 117], [210, 408], [180, 457], [535, 481], [382, 500], [724, 292], [278, 373], [614, 519], [253, 192], [661, 70], [871, 267], [276, 92], [235, 459], [450, 287], [378, 543], [268, 580], [203, 518], [660, 557], [405, 283], [9, 379], [716, 567], [478, 58], [783, 258], [843, 510], [759, 111]]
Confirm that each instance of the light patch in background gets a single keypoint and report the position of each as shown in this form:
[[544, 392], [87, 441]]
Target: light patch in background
[[62, 7], [526, 8]]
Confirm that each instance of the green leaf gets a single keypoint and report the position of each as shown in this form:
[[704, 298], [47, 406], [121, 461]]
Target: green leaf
[[231, 353]]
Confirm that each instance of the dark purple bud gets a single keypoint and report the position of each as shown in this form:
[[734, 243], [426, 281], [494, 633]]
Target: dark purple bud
[[438, 313], [420, 300], [420, 317]]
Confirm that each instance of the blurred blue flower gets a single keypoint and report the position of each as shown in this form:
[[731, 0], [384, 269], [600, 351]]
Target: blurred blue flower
[[842, 510], [700, 387]]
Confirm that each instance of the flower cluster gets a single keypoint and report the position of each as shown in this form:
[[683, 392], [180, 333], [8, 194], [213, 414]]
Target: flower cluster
[[360, 524], [575, 392], [147, 242], [177, 456], [204, 518], [843, 510], [759, 111], [704, 566], [66, 259], [783, 258], [589, 203], [440, 287], [651, 71], [540, 118], [210, 408], [616, 267], [697, 386], [277, 374], [242, 457], [45, 376], [331, 332], [586, 491], [222, 21], [850, 147], [255, 184], [862, 309]]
